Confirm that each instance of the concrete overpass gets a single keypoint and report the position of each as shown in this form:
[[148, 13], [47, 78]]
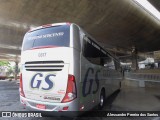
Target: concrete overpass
[[117, 24]]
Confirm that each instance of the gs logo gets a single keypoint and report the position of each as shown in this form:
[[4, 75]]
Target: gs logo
[[36, 82], [89, 72]]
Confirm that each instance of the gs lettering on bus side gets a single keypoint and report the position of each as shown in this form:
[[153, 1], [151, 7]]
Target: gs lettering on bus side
[[36, 81], [90, 72]]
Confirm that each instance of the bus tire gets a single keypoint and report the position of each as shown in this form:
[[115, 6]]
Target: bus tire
[[102, 99]]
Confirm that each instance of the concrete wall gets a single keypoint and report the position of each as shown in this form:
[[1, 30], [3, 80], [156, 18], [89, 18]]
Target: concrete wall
[[141, 80]]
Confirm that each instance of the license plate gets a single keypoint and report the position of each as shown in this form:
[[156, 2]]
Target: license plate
[[41, 106]]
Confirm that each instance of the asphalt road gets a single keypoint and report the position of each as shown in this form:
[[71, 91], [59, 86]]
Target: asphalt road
[[9, 101]]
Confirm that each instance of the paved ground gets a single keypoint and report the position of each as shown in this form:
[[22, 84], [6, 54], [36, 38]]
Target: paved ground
[[128, 99], [137, 99]]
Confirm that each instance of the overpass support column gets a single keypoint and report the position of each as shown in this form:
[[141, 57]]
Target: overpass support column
[[134, 59]]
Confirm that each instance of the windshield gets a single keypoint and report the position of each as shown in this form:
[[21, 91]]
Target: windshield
[[52, 36]]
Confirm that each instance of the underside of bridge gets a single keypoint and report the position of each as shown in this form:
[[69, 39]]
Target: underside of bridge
[[117, 24]]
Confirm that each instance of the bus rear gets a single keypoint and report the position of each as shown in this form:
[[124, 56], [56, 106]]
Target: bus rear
[[49, 75]]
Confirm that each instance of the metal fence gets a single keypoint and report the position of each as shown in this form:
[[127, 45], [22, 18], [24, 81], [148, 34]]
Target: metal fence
[[154, 77], [142, 79]]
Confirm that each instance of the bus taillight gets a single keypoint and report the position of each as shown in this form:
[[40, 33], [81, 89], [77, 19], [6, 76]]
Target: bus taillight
[[71, 92], [21, 86]]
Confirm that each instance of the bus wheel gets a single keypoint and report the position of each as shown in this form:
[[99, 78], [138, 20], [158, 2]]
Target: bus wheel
[[102, 99]]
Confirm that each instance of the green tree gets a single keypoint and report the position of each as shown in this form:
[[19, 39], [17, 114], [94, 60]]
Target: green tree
[[4, 66], [4, 63], [10, 71]]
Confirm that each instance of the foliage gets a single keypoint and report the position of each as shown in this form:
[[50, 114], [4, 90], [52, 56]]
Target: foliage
[[9, 70], [4, 63]]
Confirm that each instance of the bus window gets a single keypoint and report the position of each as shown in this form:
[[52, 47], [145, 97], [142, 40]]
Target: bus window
[[91, 51], [51, 36], [109, 63]]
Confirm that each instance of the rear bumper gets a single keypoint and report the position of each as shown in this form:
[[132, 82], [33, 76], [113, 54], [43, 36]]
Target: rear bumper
[[52, 109]]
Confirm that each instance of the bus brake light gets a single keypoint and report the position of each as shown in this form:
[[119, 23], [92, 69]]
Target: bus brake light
[[21, 86], [71, 92]]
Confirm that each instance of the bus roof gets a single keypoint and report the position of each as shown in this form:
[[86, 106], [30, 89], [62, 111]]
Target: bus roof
[[49, 25]]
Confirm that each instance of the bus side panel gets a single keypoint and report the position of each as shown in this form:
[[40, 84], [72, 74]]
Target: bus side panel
[[93, 79], [86, 84], [117, 77], [75, 64]]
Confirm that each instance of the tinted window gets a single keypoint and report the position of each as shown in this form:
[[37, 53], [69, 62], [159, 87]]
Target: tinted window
[[52, 36], [96, 54], [92, 51], [109, 63]]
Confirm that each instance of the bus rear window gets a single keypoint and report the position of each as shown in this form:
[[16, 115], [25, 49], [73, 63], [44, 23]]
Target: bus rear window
[[51, 36]]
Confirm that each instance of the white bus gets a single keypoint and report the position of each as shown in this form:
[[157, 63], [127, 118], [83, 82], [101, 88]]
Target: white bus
[[65, 69]]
